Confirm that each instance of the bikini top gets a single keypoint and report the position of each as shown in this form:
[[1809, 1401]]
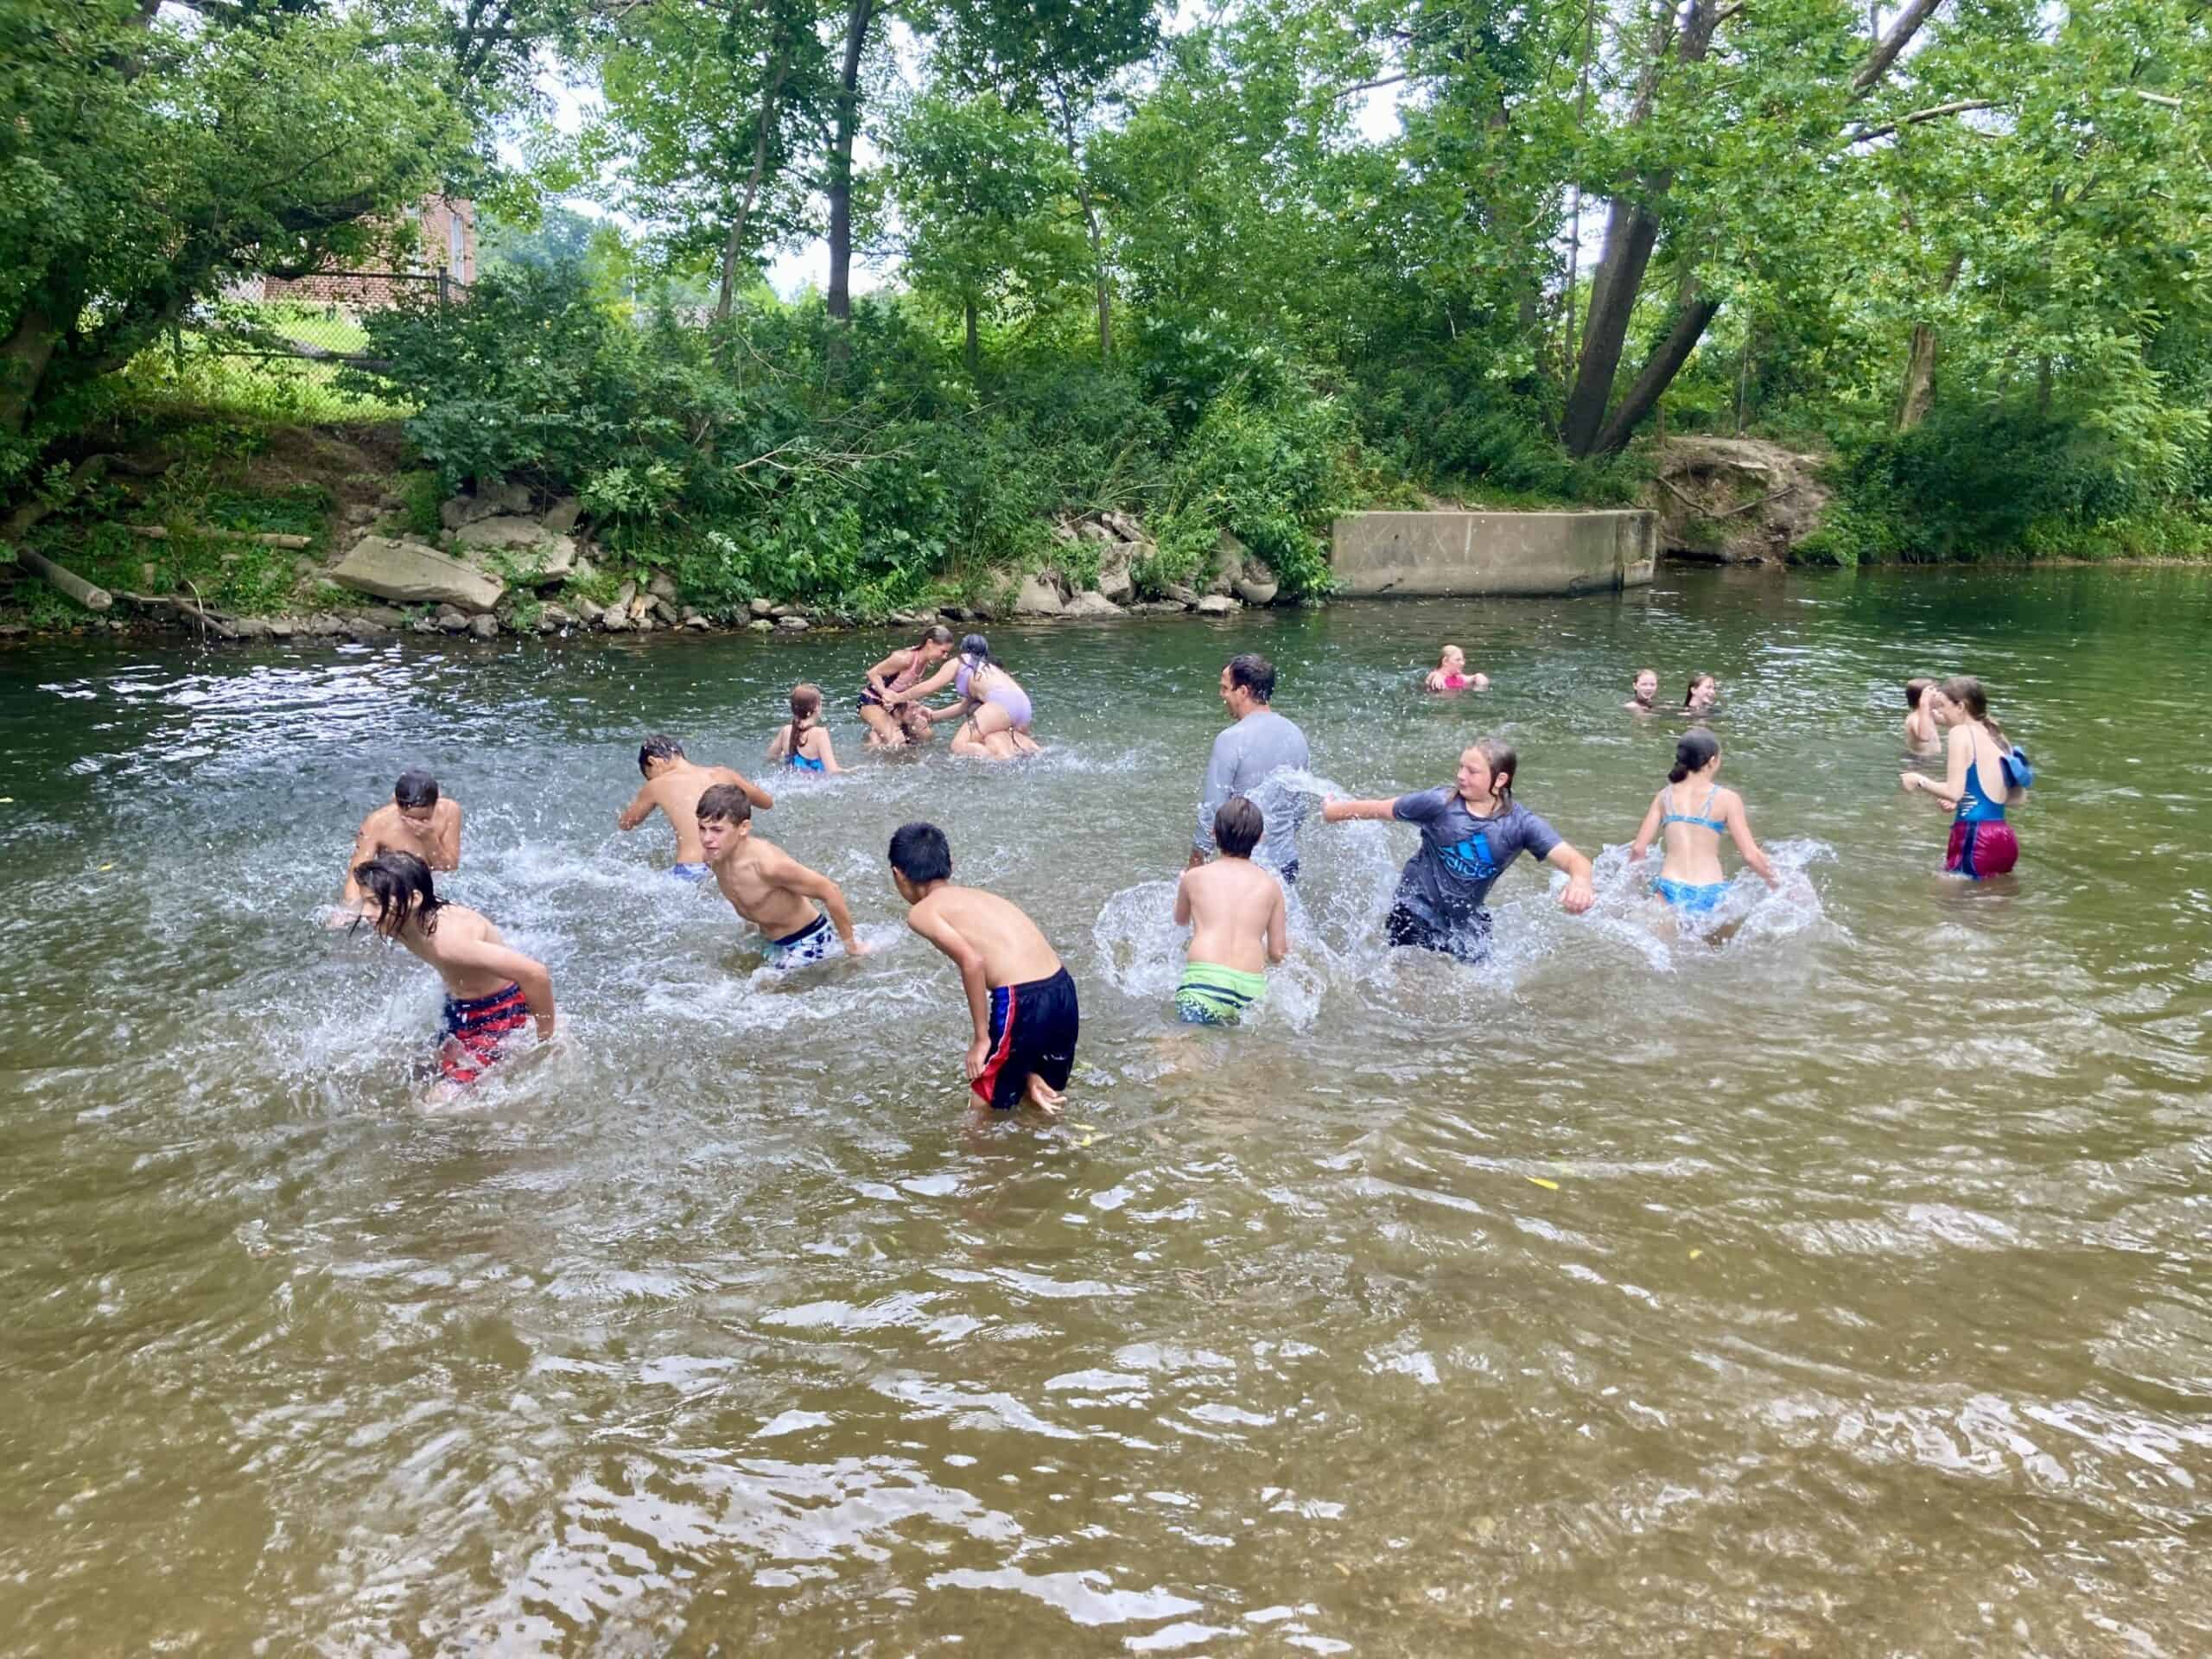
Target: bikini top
[[1719, 826], [906, 677]]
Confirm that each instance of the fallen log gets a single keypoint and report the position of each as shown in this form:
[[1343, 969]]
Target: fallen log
[[265, 538], [92, 598]]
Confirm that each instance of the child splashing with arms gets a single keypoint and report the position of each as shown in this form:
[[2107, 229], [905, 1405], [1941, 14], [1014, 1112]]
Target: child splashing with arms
[[803, 744], [1690, 879], [1987, 774], [1450, 674]]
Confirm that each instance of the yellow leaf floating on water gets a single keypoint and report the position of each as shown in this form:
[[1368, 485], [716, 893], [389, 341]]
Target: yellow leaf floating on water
[[107, 867], [1695, 1253], [1538, 1181], [1086, 1139], [1082, 1128]]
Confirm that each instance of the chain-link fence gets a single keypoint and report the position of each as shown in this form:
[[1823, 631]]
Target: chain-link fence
[[277, 346]]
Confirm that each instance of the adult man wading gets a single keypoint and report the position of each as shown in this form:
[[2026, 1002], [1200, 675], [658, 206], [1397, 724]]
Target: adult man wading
[[1261, 742]]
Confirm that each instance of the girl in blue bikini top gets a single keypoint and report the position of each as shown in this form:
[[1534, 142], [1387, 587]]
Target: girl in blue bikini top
[[802, 744], [1690, 877]]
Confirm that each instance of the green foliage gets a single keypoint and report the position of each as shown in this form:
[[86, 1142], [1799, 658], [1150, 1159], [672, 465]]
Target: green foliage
[[1271, 473]]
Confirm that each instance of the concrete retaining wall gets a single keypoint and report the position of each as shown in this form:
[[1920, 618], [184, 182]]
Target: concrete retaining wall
[[1455, 554]]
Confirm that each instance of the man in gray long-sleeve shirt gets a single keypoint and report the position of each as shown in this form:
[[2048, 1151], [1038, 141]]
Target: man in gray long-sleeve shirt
[[1262, 741]]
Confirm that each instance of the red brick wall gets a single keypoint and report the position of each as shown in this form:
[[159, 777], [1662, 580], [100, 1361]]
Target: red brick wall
[[446, 237]]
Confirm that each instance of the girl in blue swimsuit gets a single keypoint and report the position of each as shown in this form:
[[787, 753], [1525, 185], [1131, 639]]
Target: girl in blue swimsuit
[[1689, 817], [803, 743]]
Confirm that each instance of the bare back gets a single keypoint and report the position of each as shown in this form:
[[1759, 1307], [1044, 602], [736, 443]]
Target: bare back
[[1693, 848], [454, 949], [1237, 914], [1014, 952], [676, 791]]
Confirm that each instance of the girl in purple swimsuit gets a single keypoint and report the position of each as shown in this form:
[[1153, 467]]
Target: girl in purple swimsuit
[[992, 709]]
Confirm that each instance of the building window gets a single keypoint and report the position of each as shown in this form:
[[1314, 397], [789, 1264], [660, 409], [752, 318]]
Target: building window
[[453, 245]]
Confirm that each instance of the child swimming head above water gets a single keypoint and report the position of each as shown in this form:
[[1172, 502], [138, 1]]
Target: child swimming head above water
[[1450, 674]]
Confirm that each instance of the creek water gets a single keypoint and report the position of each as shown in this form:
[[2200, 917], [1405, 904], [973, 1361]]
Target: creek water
[[1838, 1284]]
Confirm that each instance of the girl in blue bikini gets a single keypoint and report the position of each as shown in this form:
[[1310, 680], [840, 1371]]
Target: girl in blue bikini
[[1690, 815], [803, 744]]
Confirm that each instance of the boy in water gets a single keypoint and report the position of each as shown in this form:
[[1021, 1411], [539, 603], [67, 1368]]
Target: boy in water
[[415, 820], [770, 888], [1020, 997], [1238, 921], [1921, 735], [675, 785], [492, 990]]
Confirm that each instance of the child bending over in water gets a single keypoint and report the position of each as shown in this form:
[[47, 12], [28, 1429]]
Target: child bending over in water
[[1238, 923], [803, 743], [1450, 674], [1987, 775], [1020, 995], [492, 990], [1921, 736], [770, 888], [1689, 877]]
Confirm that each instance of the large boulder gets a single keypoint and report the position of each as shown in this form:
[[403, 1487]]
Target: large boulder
[[560, 517], [1255, 583], [1116, 580], [488, 501], [1038, 597], [1091, 605], [1735, 500], [414, 575], [548, 559], [1217, 605]]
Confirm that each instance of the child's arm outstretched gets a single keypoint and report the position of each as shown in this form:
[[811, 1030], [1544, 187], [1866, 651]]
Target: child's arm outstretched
[[1953, 786], [1337, 810], [1579, 894], [972, 981], [1644, 832], [1739, 828]]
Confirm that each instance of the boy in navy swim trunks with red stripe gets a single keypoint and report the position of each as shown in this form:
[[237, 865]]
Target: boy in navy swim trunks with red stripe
[[493, 990], [1020, 995]]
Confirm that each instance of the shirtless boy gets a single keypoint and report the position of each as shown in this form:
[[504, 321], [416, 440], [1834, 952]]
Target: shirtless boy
[[1020, 996], [491, 990], [1238, 923], [415, 820], [770, 888], [674, 785]]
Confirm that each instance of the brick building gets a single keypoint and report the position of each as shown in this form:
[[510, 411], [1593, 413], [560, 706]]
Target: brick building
[[446, 232]]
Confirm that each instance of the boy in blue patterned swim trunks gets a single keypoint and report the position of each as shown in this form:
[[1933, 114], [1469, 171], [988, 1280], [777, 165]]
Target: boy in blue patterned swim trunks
[[770, 888]]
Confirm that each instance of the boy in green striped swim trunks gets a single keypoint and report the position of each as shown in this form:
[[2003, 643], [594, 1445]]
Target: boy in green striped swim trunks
[[1238, 923]]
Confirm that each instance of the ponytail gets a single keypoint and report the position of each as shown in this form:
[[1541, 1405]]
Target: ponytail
[[1693, 751]]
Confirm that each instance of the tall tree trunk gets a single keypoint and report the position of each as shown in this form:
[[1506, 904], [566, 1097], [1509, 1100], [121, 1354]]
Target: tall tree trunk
[[859, 16], [975, 346], [733, 247], [1919, 379], [1659, 371], [24, 359], [1631, 232], [1090, 225]]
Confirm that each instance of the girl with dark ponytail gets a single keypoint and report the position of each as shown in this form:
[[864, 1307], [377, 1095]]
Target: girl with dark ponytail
[[1690, 879]]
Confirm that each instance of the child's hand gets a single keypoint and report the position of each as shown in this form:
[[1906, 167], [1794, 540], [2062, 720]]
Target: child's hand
[[858, 947], [1332, 809], [1579, 897], [979, 1052], [1910, 780]]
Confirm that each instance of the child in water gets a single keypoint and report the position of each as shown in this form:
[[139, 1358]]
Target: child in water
[[1987, 774], [1238, 921], [1019, 994], [1704, 692], [1645, 689], [491, 990], [1921, 736], [802, 742], [1450, 674], [1689, 878], [770, 888]]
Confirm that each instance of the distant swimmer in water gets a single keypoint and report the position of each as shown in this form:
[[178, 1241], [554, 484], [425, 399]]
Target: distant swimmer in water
[[673, 785], [1238, 920], [794, 907], [491, 990], [1987, 773], [1921, 735], [803, 743], [889, 707], [1019, 994], [1450, 674], [1470, 831], [417, 820], [1647, 688], [1704, 692], [992, 709], [1689, 817]]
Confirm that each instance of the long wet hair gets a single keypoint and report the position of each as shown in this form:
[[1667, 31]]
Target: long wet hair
[[939, 635], [1502, 757], [1693, 750], [1696, 680], [1966, 690], [806, 704], [400, 884]]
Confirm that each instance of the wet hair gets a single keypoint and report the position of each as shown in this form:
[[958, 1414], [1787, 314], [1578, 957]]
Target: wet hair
[[939, 635], [1915, 689], [1641, 672], [415, 787], [1966, 690], [921, 854], [1256, 674], [1693, 749], [658, 747], [1237, 827], [806, 704], [1443, 656], [1500, 756], [1696, 680], [977, 649], [726, 804], [400, 884]]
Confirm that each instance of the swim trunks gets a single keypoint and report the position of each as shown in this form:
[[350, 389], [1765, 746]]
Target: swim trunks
[[1981, 847], [1693, 898], [475, 1032], [1211, 995], [1032, 1034], [691, 872], [1468, 942], [811, 943]]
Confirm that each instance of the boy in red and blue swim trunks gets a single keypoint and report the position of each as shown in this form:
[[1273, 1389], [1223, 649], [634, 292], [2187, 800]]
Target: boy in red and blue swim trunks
[[1020, 995]]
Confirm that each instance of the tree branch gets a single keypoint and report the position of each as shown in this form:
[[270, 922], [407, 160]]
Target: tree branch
[[1887, 48], [1862, 135]]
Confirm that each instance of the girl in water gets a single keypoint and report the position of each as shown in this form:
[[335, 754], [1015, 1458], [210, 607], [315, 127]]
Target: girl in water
[[1471, 829], [1450, 674], [887, 706], [803, 744], [1987, 774], [994, 710], [1921, 736], [1703, 693], [1689, 877]]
